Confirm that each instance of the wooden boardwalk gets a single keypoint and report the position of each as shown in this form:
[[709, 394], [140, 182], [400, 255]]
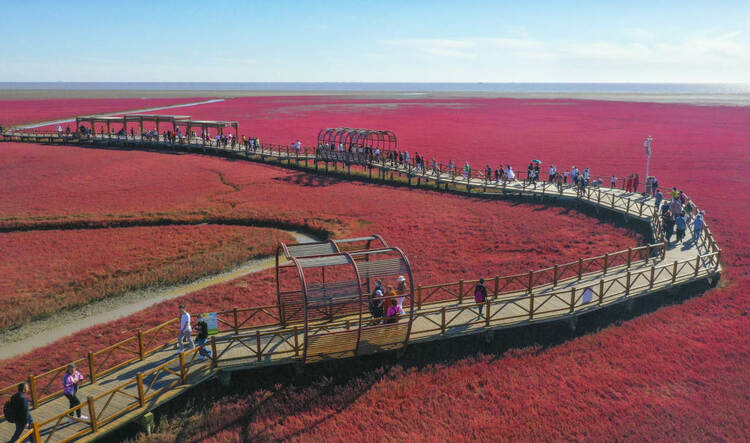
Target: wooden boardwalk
[[149, 372]]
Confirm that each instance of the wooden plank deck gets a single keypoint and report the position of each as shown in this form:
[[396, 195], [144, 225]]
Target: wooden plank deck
[[127, 393]]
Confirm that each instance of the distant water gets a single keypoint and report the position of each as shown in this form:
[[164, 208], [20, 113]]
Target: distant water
[[604, 88]]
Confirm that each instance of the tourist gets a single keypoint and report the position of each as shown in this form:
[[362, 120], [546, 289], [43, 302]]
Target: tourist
[[698, 226], [654, 185], [530, 173], [70, 387], [467, 171], [375, 304], [668, 222], [19, 404], [59, 130], [559, 179], [498, 174], [509, 174], [566, 174], [674, 193], [487, 174], [186, 330], [664, 207], [687, 210], [613, 182], [537, 174], [201, 338], [635, 183], [629, 183], [480, 295], [658, 198], [552, 172], [401, 289], [394, 312], [675, 207], [406, 159], [681, 225], [450, 168]]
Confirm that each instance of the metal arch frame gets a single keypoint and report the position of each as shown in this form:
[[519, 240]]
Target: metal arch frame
[[384, 139], [283, 247], [410, 294], [301, 274]]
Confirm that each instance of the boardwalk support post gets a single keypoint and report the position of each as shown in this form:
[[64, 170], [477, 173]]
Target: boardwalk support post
[[141, 396], [92, 413], [573, 323], [224, 377], [32, 389], [92, 369], [183, 370]]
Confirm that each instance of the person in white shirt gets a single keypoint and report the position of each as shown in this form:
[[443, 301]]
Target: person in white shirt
[[552, 171], [186, 331]]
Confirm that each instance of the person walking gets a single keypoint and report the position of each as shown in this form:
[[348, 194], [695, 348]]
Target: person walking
[[613, 182], [70, 388], [19, 404], [681, 225], [668, 224], [401, 289], [636, 178], [658, 198], [480, 295], [675, 207], [200, 339], [186, 331], [698, 226]]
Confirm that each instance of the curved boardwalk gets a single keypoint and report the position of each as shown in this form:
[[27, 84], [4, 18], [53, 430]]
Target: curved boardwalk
[[142, 372]]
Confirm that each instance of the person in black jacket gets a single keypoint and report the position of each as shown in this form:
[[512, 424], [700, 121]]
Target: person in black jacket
[[21, 405], [480, 295], [201, 338]]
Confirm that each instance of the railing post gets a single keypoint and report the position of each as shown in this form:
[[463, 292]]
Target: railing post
[[141, 350], [697, 264], [487, 314], [648, 252], [257, 342], [214, 355], [497, 286], [531, 281], [442, 320], [236, 326], [141, 396], [419, 297], [630, 256], [92, 413], [674, 272], [554, 275], [663, 250], [651, 280], [606, 262], [531, 306], [37, 435], [580, 268], [601, 291], [572, 298], [183, 371], [92, 369], [627, 284], [296, 342], [460, 291], [32, 389]]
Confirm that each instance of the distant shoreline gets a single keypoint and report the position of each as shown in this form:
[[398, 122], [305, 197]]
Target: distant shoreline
[[705, 99]]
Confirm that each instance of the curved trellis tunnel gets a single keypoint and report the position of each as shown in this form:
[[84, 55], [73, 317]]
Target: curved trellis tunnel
[[321, 285]]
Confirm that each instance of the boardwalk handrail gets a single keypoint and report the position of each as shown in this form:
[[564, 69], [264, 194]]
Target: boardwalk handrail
[[539, 300]]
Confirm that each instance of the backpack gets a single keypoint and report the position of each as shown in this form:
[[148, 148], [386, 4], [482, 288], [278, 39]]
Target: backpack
[[9, 411]]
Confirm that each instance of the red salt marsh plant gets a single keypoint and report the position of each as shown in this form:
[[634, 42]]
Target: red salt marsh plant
[[46, 271]]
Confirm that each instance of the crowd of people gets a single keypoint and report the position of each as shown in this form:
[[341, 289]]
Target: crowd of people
[[676, 213], [386, 303]]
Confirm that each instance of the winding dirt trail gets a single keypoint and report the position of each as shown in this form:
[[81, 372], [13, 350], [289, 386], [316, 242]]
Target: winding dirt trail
[[45, 331]]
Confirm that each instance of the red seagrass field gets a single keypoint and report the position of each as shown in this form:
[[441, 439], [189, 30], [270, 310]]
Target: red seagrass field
[[679, 373]]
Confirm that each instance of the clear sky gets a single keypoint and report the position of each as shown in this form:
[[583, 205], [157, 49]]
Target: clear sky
[[375, 41]]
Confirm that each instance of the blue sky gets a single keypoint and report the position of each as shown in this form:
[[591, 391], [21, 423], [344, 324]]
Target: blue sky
[[378, 41]]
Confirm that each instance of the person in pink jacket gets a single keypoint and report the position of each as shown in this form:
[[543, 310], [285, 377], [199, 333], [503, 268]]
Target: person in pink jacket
[[70, 387]]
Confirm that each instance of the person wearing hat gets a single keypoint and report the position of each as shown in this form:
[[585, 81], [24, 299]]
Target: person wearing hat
[[401, 290], [375, 303]]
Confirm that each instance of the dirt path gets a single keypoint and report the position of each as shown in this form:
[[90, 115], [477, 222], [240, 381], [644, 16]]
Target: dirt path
[[43, 332]]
